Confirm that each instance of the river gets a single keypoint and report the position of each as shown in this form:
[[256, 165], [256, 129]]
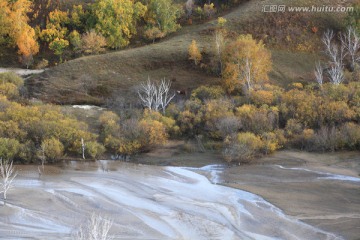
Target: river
[[144, 202]]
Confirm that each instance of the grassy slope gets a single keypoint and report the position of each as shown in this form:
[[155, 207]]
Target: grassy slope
[[120, 72]]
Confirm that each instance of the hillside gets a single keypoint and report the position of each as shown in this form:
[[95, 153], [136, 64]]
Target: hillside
[[94, 79]]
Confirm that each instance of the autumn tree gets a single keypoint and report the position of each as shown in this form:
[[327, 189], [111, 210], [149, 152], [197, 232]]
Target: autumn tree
[[163, 15], [58, 45], [14, 24], [242, 147], [56, 32], [92, 42], [246, 63], [116, 20], [194, 52], [52, 148], [4, 20], [209, 10]]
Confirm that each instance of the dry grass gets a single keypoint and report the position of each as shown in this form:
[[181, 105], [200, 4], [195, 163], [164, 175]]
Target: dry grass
[[98, 79]]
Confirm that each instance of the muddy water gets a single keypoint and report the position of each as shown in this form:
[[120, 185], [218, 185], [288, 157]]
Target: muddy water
[[144, 202]]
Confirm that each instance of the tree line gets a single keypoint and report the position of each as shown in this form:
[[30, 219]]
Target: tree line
[[33, 26]]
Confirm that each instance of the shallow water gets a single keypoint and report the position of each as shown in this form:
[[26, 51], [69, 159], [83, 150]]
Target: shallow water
[[144, 202]]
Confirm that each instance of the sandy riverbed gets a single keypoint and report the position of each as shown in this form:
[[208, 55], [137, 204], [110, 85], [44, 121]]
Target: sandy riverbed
[[300, 196], [320, 189]]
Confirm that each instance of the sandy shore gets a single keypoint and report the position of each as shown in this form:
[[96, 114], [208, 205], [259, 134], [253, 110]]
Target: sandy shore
[[319, 189]]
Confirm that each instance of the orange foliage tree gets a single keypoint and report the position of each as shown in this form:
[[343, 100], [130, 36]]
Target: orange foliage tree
[[14, 23]]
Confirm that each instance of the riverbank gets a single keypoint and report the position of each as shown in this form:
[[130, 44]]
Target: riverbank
[[321, 189]]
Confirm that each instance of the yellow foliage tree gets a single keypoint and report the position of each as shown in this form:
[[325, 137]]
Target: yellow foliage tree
[[4, 20], [155, 133], [194, 53], [116, 20], [247, 63], [52, 148]]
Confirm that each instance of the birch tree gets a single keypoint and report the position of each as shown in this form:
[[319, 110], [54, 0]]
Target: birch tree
[[146, 92], [155, 97], [246, 63], [7, 176], [336, 53], [351, 42], [319, 74]]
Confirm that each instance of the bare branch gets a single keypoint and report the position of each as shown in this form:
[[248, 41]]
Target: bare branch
[[351, 42], [336, 54], [8, 175], [156, 97], [166, 96], [147, 93], [327, 40], [336, 74]]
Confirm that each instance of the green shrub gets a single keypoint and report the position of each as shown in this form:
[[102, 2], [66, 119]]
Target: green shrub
[[207, 93], [52, 148], [9, 148], [94, 149], [11, 77]]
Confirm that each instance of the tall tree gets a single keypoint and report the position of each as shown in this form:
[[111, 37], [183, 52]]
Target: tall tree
[[14, 23], [4, 20], [163, 14], [116, 20], [194, 52], [247, 63]]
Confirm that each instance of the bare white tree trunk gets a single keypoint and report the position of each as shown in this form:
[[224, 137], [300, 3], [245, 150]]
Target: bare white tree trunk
[[351, 42], [156, 97], [336, 54], [319, 74], [166, 97], [336, 74], [247, 73], [7, 174], [147, 93], [83, 148], [95, 228]]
